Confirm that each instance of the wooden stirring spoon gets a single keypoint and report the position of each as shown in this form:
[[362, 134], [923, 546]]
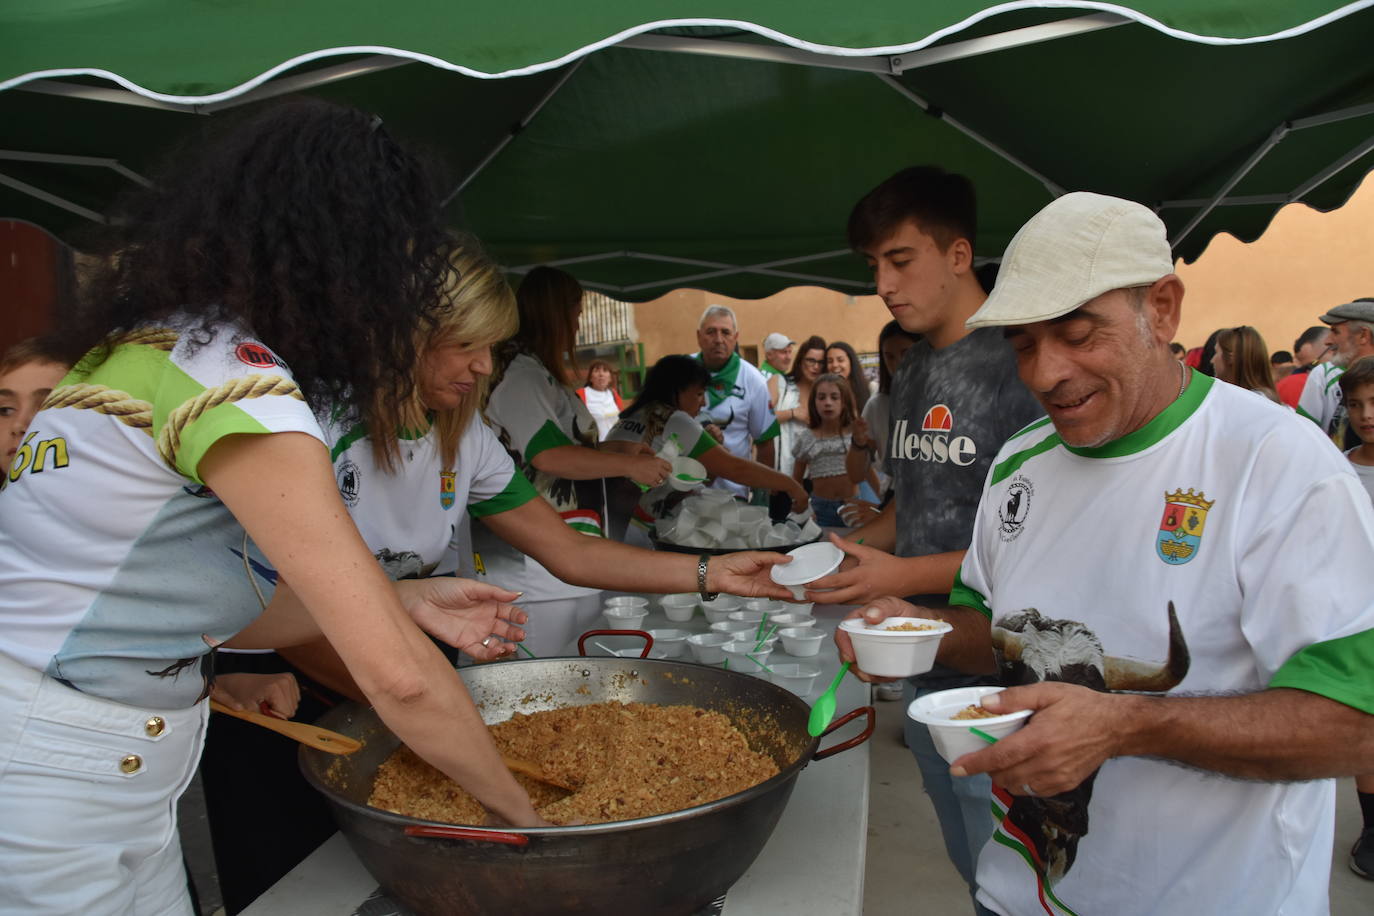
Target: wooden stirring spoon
[[534, 771], [311, 735]]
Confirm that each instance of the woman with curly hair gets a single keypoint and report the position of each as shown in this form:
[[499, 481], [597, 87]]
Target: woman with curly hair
[[290, 264], [674, 394]]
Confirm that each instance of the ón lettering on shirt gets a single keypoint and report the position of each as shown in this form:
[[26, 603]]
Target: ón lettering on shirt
[[934, 443]]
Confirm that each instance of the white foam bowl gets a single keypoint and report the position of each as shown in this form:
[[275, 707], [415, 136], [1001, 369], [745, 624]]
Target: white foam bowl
[[747, 616], [626, 601], [734, 626], [885, 652], [625, 618], [682, 465], [721, 607], [679, 607], [797, 677], [801, 642], [672, 642], [638, 652], [767, 605], [715, 495], [809, 563], [708, 648], [791, 620], [952, 737], [739, 653]]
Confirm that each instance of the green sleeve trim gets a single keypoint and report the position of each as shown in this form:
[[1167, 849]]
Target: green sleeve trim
[[548, 436], [963, 596], [1337, 669], [1013, 463], [1303, 413], [771, 432], [1335, 377], [518, 491], [704, 444]]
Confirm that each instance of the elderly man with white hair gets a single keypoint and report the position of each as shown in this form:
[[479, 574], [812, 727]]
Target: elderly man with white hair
[[1136, 579], [737, 396]]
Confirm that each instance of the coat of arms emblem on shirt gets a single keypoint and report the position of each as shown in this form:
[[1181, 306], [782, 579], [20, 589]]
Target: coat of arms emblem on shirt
[[446, 488], [1180, 531]]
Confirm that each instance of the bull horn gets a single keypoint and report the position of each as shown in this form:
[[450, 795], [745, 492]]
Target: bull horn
[[1145, 677], [1007, 644]]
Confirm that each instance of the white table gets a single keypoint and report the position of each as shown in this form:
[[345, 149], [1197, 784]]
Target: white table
[[812, 865]]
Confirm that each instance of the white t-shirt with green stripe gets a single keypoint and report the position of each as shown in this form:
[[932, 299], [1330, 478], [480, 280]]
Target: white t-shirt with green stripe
[[118, 567], [408, 515], [651, 428], [1196, 509], [1320, 400], [531, 412]]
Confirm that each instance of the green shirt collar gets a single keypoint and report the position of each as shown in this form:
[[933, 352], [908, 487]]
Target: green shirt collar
[[1164, 423]]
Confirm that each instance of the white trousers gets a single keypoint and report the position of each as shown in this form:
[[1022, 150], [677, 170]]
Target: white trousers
[[88, 793]]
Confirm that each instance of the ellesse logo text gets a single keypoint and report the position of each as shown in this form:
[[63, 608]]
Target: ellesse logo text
[[934, 443]]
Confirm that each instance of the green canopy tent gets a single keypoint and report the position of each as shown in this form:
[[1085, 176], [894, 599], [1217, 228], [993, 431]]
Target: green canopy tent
[[645, 151]]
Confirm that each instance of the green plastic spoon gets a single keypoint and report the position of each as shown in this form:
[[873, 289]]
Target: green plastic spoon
[[823, 710]]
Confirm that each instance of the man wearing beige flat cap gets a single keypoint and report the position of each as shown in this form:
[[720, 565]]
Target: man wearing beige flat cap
[[1136, 580]]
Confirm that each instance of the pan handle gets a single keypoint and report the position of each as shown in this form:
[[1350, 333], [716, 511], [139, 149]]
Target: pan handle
[[852, 742], [648, 639], [443, 832]]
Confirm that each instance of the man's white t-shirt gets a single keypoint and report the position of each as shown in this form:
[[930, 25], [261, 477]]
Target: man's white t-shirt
[[737, 402], [1192, 512], [119, 568], [1320, 400]]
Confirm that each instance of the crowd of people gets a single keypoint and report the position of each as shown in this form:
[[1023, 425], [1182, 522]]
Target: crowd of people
[[205, 495]]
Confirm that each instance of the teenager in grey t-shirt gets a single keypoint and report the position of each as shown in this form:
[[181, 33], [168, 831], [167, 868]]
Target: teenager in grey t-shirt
[[950, 412]]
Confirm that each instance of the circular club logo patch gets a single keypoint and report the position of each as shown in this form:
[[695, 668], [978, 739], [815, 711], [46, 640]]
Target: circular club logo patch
[[1011, 514], [255, 355], [349, 482]]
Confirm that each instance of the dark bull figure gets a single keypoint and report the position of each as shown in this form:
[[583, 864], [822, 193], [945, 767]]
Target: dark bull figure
[[1031, 648]]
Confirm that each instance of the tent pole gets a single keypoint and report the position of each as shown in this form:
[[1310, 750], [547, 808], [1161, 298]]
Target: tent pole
[[60, 159], [1053, 187], [1275, 137], [1306, 187], [40, 194], [523, 123], [285, 85]]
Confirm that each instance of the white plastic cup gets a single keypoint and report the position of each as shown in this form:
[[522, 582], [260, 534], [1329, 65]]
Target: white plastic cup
[[953, 737], [625, 618], [894, 653], [801, 642], [679, 607], [721, 607], [798, 677], [673, 643], [708, 648]]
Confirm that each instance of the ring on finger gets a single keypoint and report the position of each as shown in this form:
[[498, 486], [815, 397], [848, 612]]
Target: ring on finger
[[1025, 787], [486, 642]]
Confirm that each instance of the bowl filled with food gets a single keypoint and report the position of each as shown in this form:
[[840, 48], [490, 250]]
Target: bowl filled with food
[[951, 716], [895, 647]]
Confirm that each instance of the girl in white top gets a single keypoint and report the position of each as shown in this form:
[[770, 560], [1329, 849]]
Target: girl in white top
[[791, 393], [821, 449], [602, 400], [674, 392]]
